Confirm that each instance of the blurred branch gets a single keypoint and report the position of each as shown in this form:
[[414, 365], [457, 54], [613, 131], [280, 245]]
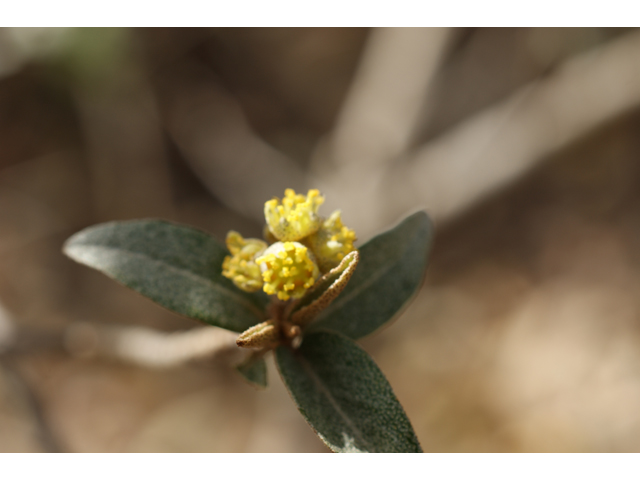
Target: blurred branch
[[387, 96], [138, 345], [386, 102], [214, 137], [150, 348], [19, 45], [497, 145], [500, 144], [121, 124], [32, 402], [7, 330], [10, 342]]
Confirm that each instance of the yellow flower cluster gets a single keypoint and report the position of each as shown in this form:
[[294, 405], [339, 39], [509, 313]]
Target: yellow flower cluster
[[240, 266], [332, 242], [304, 245], [296, 218], [288, 270]]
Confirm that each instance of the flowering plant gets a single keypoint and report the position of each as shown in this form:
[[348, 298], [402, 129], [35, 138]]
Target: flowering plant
[[304, 292]]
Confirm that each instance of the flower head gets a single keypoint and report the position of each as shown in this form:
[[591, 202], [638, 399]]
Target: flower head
[[303, 245], [331, 242], [296, 218], [288, 270], [240, 266]]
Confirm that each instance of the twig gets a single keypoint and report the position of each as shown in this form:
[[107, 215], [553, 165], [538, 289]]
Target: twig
[[387, 96], [151, 348], [386, 102], [32, 402], [500, 144], [214, 137], [7, 330], [121, 126], [503, 142]]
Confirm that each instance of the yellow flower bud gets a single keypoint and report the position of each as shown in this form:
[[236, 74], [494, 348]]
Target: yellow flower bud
[[331, 242], [296, 218], [288, 270], [240, 266]]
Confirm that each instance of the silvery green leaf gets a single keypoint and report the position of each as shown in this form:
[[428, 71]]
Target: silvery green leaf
[[176, 266], [344, 396], [390, 271]]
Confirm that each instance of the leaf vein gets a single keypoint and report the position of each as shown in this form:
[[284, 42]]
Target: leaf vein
[[198, 278], [318, 382]]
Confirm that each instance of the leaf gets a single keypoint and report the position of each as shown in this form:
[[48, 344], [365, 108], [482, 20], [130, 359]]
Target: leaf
[[344, 396], [177, 266], [325, 290], [254, 370], [390, 271]]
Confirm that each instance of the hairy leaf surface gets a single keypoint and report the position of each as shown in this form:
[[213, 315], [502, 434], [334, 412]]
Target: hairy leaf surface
[[177, 266], [390, 270], [344, 396]]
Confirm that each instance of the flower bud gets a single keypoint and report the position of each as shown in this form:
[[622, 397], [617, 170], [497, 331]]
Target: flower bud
[[331, 242], [296, 218], [288, 270], [240, 266]]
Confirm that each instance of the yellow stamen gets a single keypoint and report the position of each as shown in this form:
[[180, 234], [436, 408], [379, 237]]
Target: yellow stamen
[[288, 270], [331, 242], [240, 267], [296, 218]]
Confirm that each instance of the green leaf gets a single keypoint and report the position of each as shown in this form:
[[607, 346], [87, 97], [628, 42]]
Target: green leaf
[[177, 266], [254, 370], [390, 271], [344, 396]]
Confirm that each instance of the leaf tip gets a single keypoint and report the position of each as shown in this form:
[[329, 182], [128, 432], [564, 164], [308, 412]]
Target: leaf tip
[[69, 247]]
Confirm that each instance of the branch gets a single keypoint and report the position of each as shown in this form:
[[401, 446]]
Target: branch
[[214, 137], [386, 102], [151, 348], [495, 147], [34, 406], [387, 96]]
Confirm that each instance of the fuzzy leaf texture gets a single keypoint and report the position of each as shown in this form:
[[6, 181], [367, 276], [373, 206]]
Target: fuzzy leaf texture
[[176, 266], [390, 271], [343, 395]]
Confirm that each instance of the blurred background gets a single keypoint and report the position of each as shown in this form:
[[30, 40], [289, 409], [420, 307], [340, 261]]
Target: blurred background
[[522, 144]]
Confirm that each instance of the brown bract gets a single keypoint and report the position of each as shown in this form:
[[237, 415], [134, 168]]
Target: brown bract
[[288, 319]]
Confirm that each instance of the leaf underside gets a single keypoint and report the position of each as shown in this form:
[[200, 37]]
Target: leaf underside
[[177, 266], [343, 395], [390, 271]]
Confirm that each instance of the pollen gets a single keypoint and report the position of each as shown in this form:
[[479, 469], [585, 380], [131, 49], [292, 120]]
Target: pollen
[[331, 242], [288, 270], [297, 216], [240, 267]]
